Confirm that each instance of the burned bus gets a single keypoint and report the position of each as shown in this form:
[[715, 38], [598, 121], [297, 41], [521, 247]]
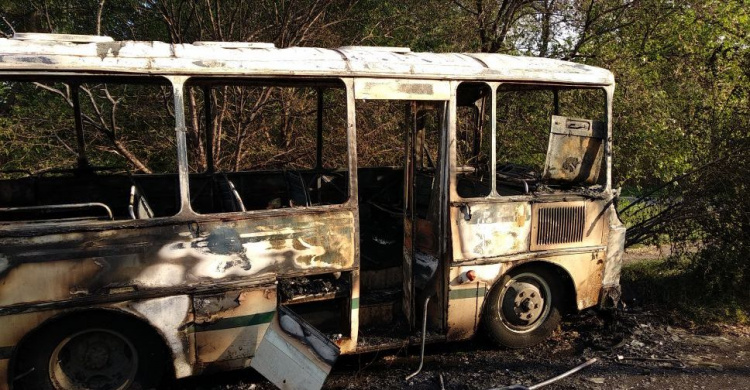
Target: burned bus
[[168, 210]]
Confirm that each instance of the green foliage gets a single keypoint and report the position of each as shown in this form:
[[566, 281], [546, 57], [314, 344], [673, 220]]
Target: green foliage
[[684, 111], [674, 76], [36, 132], [676, 286], [681, 112], [267, 127]]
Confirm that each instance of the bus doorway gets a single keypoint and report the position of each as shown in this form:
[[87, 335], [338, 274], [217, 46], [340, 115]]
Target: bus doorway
[[399, 176]]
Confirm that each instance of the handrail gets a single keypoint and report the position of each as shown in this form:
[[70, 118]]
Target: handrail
[[236, 194], [131, 202], [137, 202], [69, 206]]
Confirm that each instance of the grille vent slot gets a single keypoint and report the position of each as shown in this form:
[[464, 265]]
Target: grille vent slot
[[560, 225]]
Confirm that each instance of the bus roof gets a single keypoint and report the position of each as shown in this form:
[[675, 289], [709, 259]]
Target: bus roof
[[95, 54]]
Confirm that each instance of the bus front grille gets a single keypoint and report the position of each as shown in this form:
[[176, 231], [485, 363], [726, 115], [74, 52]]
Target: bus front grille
[[560, 225]]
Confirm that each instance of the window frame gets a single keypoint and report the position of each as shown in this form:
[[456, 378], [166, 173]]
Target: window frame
[[494, 196], [75, 80], [346, 83]]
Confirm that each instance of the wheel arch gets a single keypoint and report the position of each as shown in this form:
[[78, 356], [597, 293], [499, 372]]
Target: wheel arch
[[569, 294], [68, 315]]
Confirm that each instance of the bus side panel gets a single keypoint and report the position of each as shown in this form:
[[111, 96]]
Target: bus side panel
[[293, 243], [483, 230], [169, 316], [464, 303], [349, 345], [467, 298], [73, 270], [133, 262], [586, 270], [228, 326]]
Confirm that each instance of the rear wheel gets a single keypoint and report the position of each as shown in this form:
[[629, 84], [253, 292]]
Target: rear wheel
[[93, 351], [524, 308]]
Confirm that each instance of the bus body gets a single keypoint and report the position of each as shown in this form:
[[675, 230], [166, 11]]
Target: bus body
[[202, 262]]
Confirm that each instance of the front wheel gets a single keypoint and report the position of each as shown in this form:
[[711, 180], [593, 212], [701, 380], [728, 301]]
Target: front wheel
[[93, 351], [523, 309]]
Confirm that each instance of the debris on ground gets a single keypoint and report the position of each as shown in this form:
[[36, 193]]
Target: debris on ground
[[663, 356]]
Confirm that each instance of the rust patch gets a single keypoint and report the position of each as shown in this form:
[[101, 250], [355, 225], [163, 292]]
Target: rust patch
[[520, 218], [570, 164], [589, 289], [277, 244], [426, 237], [104, 48], [297, 244]]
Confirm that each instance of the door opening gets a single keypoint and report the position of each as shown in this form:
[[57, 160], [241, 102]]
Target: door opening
[[398, 175]]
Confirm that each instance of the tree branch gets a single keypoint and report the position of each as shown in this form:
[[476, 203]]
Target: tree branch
[[99, 18]]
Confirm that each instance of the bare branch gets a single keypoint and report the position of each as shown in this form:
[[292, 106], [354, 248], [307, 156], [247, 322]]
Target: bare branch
[[49, 19], [102, 124], [99, 18], [12, 30], [56, 91], [65, 144], [115, 103], [465, 8]]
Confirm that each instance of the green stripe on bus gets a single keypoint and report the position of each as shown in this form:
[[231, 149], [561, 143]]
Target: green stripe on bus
[[5, 352], [236, 322], [467, 293]]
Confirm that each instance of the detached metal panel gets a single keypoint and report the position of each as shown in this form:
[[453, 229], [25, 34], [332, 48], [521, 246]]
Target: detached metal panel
[[293, 354]]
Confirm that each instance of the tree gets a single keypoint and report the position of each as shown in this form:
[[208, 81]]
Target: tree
[[681, 105]]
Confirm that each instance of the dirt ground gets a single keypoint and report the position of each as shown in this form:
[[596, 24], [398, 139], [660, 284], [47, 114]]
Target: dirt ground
[[634, 348]]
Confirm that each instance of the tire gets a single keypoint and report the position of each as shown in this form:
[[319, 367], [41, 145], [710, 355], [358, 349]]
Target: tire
[[523, 309], [91, 351]]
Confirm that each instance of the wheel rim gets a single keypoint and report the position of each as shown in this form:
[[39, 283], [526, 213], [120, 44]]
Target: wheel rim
[[93, 359], [525, 302]]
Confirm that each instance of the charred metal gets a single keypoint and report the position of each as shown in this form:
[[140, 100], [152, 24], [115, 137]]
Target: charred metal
[[291, 289]]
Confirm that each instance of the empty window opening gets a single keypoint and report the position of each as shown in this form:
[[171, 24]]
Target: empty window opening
[[473, 140], [102, 149], [256, 146], [549, 139]]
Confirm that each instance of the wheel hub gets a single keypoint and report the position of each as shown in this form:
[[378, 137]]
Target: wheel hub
[[528, 303], [93, 359], [525, 302]]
